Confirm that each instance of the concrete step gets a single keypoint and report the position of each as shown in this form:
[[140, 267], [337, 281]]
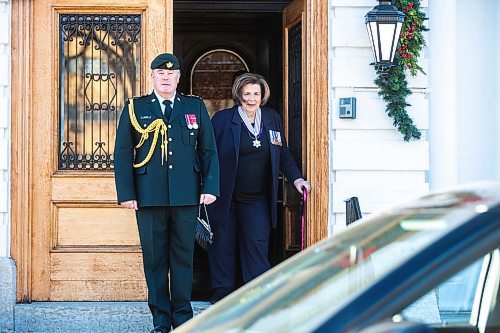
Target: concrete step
[[87, 317]]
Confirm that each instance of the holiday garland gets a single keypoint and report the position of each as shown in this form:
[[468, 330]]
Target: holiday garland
[[393, 85]]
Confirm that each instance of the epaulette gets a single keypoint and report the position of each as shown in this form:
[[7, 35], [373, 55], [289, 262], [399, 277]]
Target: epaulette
[[136, 98], [143, 96], [195, 96]]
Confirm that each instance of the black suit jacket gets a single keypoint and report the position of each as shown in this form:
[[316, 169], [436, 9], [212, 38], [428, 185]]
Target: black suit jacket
[[227, 128], [192, 167]]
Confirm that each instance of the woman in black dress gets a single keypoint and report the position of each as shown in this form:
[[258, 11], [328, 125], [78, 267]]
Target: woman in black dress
[[252, 151]]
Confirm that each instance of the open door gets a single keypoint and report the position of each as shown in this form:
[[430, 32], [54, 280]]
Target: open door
[[305, 82], [294, 232], [71, 241]]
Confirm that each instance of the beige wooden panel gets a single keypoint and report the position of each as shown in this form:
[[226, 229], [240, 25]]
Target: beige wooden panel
[[98, 291], [96, 226], [96, 266], [83, 188]]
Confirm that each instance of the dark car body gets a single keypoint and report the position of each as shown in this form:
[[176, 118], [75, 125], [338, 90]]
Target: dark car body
[[391, 267]]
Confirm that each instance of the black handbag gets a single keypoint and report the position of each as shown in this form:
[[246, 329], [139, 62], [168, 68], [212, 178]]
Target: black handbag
[[204, 235]]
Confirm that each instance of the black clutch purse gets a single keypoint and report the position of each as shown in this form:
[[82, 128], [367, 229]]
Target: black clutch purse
[[204, 235]]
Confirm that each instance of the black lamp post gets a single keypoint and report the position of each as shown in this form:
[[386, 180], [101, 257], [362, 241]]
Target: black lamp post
[[384, 24]]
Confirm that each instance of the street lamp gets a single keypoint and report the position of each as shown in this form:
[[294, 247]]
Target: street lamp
[[384, 24]]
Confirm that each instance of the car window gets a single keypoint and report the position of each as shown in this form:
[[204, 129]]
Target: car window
[[451, 303]]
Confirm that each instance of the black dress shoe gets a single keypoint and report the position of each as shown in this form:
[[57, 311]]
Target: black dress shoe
[[160, 329], [220, 293]]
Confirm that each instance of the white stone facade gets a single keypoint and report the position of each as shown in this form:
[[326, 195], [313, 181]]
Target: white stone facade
[[5, 55], [368, 157], [464, 46]]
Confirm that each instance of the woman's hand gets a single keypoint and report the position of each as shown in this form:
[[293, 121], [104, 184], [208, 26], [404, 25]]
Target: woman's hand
[[207, 199], [301, 182]]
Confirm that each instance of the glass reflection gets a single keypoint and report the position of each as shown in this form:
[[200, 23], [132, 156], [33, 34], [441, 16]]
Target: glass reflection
[[212, 78], [99, 67]]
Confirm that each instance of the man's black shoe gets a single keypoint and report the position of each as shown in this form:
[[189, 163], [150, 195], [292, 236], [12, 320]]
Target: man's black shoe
[[220, 293]]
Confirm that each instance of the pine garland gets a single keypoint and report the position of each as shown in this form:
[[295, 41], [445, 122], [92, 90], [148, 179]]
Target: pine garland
[[393, 85]]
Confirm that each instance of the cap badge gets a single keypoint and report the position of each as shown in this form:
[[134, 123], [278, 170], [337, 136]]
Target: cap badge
[[169, 64]]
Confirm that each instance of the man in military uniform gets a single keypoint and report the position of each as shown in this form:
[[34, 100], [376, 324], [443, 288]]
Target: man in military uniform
[[165, 166]]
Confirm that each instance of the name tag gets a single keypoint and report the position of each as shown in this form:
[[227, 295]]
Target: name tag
[[144, 117]]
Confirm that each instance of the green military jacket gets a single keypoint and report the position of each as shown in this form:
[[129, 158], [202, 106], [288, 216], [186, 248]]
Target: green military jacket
[[188, 166]]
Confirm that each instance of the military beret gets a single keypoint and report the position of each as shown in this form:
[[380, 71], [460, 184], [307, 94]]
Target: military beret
[[165, 61]]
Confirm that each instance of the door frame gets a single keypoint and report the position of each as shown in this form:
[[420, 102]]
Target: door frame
[[22, 104], [316, 96]]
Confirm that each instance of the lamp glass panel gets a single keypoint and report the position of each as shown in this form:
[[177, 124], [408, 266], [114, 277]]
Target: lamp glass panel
[[386, 37], [396, 39], [370, 35], [375, 40]]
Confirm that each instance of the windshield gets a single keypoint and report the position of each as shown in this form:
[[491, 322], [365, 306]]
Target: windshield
[[306, 289]]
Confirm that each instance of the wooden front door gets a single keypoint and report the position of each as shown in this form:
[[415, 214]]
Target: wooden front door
[[84, 60], [294, 233], [305, 40]]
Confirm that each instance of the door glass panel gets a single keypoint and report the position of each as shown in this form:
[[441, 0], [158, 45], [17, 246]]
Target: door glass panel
[[99, 66], [451, 302], [212, 78]]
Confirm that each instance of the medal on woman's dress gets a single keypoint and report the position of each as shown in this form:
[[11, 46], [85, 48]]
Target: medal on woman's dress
[[254, 130]]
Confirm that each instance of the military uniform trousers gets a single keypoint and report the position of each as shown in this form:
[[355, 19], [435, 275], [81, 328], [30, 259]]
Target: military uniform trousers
[[247, 227], [167, 240]]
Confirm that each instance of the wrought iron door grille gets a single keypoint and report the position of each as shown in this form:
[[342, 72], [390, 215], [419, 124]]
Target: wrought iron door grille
[[99, 67]]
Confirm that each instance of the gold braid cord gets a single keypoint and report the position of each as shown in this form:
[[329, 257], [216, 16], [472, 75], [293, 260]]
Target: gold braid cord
[[157, 126]]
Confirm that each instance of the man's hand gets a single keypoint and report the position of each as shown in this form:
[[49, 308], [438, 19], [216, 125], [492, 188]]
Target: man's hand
[[299, 183], [131, 204], [207, 199]]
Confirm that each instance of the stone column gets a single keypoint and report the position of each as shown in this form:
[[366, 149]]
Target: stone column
[[497, 92], [7, 266], [443, 116], [7, 294]]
